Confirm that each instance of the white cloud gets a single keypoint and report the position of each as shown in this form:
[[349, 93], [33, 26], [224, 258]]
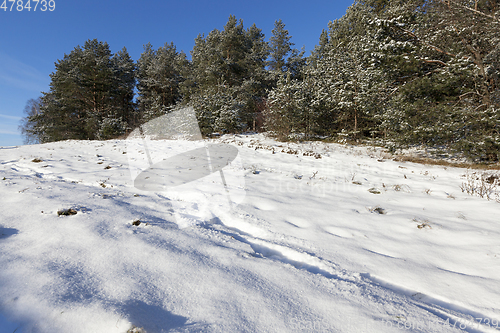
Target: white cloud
[[9, 127], [9, 124], [20, 75], [10, 117], [8, 132]]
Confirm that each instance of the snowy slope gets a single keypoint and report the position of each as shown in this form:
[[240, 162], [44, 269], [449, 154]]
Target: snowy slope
[[349, 242]]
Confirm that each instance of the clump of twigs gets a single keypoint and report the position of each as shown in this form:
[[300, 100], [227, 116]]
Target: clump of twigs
[[422, 224], [67, 212], [482, 184], [378, 210]]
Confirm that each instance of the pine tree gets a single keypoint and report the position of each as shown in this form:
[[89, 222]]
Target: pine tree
[[335, 92], [63, 112], [143, 92], [280, 46], [233, 48], [97, 86], [319, 50], [229, 79], [160, 76], [436, 55], [125, 72], [87, 87]]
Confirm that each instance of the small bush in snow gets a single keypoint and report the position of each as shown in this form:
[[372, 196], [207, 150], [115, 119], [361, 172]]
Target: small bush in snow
[[482, 184], [422, 224], [111, 128], [401, 188], [378, 210], [66, 212]]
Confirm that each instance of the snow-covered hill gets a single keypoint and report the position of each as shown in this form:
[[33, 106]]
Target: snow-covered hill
[[310, 237]]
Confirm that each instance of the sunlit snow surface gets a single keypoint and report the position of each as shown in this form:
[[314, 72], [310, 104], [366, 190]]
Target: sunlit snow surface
[[299, 246]]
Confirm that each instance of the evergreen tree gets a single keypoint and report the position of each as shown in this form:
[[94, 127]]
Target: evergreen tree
[[280, 46], [256, 59], [229, 64], [97, 86], [436, 53], [290, 110], [89, 97], [409, 71], [160, 75], [233, 48], [283, 58], [319, 50], [125, 71], [144, 98], [338, 85]]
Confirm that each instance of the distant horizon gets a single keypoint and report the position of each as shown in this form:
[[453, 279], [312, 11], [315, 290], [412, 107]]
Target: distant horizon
[[35, 40]]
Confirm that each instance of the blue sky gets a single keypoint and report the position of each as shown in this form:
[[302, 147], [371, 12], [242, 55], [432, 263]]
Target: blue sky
[[31, 41]]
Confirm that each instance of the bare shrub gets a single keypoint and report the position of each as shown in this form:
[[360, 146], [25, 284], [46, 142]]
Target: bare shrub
[[422, 223], [484, 184], [401, 188]]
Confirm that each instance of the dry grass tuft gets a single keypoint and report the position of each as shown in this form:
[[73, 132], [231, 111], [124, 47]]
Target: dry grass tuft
[[378, 210], [482, 184], [67, 212], [401, 188], [422, 224], [432, 161]]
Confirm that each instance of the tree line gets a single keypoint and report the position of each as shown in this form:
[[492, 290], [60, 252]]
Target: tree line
[[412, 72]]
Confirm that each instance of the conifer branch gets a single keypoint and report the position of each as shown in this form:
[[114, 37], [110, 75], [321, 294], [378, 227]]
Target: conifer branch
[[434, 62], [435, 48], [474, 10]]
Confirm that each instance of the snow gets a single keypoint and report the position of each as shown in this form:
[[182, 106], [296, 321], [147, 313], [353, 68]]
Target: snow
[[291, 243]]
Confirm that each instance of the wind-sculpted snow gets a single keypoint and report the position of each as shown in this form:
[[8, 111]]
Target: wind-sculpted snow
[[295, 242]]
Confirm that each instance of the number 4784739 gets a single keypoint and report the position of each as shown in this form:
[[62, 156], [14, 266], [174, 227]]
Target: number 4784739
[[20, 5]]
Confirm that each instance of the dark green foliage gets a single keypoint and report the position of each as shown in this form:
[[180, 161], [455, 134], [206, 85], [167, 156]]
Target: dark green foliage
[[283, 59], [444, 77], [408, 72], [125, 74], [412, 72], [89, 90], [280, 46], [228, 79], [160, 75]]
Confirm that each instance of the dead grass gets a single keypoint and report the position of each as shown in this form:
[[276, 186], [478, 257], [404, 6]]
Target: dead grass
[[422, 224], [378, 210], [432, 161], [374, 190], [401, 188], [67, 212], [415, 159], [482, 184]]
